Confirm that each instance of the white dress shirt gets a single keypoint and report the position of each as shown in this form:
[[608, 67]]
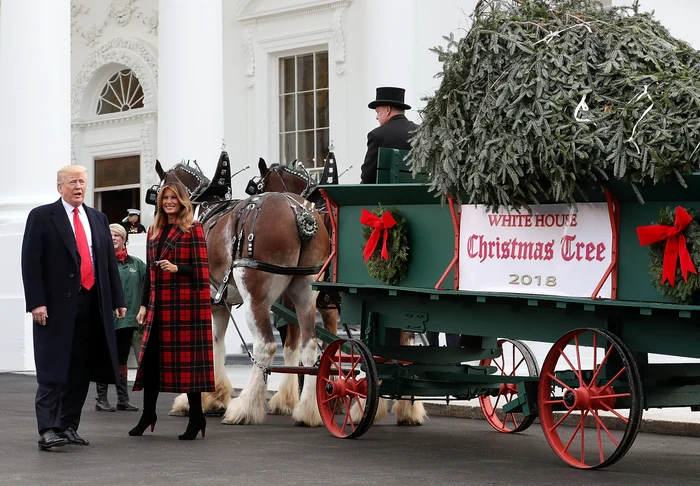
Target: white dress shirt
[[86, 224]]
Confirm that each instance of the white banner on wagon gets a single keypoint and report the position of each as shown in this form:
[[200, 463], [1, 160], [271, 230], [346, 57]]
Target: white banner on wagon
[[556, 250]]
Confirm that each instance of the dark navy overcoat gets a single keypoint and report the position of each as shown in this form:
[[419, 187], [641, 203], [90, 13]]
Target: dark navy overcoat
[[51, 277]]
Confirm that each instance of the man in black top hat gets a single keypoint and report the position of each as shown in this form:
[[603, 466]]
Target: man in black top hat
[[394, 130]]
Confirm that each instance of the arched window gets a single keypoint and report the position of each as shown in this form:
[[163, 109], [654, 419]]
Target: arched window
[[122, 92]]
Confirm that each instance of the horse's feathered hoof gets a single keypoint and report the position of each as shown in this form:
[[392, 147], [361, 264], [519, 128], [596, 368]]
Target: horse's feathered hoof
[[214, 404], [409, 422], [307, 416], [227, 420], [408, 413], [241, 413], [215, 413], [283, 403], [181, 406]]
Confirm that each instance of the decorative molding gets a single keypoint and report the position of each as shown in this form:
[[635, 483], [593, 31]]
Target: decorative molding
[[249, 48], [249, 18], [73, 159], [132, 54], [339, 40], [114, 119], [296, 11], [245, 7], [121, 12], [149, 176]]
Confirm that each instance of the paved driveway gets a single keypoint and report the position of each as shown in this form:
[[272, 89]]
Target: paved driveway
[[444, 451]]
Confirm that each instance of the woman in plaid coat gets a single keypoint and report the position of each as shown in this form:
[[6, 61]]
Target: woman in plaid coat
[[176, 352]]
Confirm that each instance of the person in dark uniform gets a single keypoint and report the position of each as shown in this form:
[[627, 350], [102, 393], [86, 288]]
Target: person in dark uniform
[[394, 130], [71, 287], [132, 223]]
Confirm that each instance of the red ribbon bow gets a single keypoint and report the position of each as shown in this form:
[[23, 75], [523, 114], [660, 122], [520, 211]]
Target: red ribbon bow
[[675, 245], [379, 224]]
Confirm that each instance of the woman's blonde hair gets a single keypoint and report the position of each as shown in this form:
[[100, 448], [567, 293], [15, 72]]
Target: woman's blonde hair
[[119, 229], [183, 219]]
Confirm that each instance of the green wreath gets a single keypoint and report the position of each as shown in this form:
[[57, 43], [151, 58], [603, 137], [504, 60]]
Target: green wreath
[[682, 292], [391, 271]]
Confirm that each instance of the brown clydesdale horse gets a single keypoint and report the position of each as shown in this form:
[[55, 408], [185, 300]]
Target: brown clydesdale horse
[[294, 178], [258, 252]]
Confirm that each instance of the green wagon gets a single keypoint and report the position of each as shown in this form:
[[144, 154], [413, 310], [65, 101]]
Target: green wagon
[[596, 380]]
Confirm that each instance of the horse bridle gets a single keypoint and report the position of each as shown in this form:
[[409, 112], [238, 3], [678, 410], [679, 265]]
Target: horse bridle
[[202, 181], [259, 186]]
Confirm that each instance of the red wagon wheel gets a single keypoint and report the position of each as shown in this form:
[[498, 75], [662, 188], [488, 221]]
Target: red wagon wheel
[[516, 360], [599, 392], [348, 379]]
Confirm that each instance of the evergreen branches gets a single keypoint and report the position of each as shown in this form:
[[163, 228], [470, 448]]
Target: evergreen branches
[[543, 98]]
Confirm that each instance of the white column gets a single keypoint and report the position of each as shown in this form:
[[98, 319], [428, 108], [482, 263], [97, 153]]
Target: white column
[[390, 47], [34, 102], [34, 144], [190, 82]]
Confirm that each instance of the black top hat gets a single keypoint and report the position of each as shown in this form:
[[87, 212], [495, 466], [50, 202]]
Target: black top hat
[[388, 96]]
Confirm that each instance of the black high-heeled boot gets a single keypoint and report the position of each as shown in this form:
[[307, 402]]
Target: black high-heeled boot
[[197, 421], [148, 417]]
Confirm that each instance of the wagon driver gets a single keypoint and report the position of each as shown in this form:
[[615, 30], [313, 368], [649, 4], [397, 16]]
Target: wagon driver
[[394, 130]]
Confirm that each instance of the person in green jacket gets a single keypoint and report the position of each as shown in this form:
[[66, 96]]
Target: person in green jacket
[[132, 272]]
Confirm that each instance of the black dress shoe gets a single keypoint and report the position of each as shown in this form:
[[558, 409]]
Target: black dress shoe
[[102, 405], [127, 407], [50, 439], [72, 436]]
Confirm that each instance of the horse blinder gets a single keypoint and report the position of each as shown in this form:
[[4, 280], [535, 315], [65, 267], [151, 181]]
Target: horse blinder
[[152, 195], [255, 186]]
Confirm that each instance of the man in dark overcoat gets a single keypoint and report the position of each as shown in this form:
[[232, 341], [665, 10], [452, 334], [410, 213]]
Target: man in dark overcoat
[[394, 130], [71, 287]]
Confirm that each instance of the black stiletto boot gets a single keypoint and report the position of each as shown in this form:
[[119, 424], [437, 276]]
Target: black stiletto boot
[[148, 417], [197, 421]]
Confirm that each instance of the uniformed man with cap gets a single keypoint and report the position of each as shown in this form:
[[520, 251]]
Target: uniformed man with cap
[[131, 223]]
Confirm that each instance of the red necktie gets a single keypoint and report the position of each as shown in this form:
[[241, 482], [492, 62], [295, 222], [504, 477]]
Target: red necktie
[[87, 275]]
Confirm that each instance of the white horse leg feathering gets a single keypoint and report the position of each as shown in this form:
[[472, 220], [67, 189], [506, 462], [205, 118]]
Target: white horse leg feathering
[[287, 397], [306, 412], [249, 406]]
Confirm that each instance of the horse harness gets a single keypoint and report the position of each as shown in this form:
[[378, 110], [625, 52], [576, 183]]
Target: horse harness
[[327, 299], [249, 212]]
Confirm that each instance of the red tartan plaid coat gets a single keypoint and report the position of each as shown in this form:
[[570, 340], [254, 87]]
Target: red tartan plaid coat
[[181, 306]]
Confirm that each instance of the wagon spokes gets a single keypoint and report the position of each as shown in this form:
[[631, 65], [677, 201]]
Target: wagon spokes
[[601, 401], [517, 353], [347, 403]]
